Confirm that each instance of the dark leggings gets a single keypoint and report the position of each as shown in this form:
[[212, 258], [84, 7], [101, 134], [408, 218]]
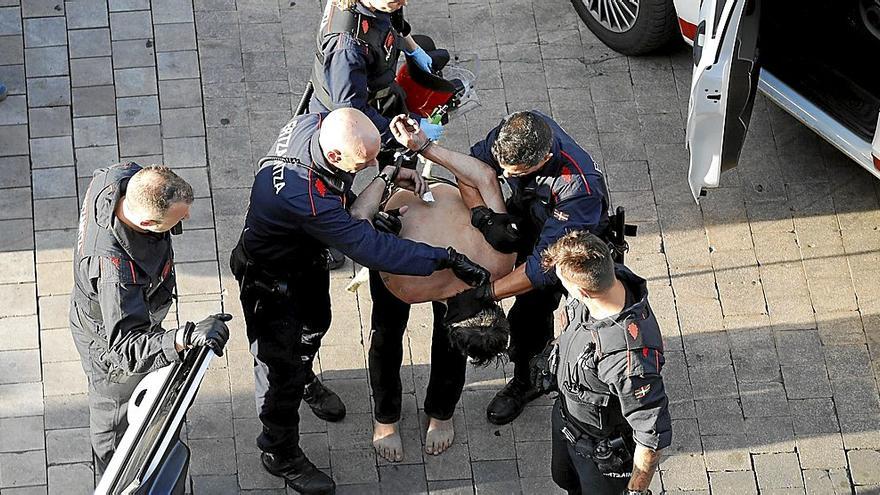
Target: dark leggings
[[388, 319]]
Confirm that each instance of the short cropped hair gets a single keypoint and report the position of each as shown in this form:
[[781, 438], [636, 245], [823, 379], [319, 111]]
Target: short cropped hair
[[155, 188], [482, 337], [523, 140], [582, 258]]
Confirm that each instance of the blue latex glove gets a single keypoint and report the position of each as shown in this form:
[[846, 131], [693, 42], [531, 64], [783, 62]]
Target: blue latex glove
[[433, 131], [422, 59]]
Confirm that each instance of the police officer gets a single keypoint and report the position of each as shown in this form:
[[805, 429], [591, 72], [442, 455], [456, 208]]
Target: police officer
[[301, 203], [611, 418], [123, 273], [358, 44], [555, 188]]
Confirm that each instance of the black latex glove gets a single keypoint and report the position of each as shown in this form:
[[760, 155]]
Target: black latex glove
[[211, 332], [468, 303], [388, 221], [542, 368], [465, 269], [499, 229]]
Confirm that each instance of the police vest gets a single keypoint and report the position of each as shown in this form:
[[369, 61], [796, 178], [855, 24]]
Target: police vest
[[633, 337], [381, 47]]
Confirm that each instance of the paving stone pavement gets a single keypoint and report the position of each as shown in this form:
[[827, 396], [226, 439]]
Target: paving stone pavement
[[767, 291]]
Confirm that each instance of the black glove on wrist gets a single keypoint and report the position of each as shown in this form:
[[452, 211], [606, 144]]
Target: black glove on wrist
[[465, 269], [388, 221], [468, 303], [211, 332], [542, 368], [499, 229]]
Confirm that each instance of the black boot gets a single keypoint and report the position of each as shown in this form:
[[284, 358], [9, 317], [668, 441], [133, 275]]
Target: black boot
[[299, 473], [323, 401], [510, 401]]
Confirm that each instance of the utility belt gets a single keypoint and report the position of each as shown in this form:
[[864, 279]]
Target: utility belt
[[612, 455], [273, 282]]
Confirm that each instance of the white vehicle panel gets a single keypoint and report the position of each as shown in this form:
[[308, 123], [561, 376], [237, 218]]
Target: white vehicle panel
[[722, 89]]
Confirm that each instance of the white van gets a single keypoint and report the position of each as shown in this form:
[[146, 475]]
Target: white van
[[815, 59]]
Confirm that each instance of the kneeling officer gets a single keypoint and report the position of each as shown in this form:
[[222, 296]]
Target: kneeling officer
[[611, 418], [124, 284], [301, 204]]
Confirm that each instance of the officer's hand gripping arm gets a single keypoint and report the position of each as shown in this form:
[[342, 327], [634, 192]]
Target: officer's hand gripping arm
[[465, 269], [499, 229]]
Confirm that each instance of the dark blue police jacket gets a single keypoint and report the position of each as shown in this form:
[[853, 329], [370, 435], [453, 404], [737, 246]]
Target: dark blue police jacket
[[297, 209], [347, 67], [568, 193]]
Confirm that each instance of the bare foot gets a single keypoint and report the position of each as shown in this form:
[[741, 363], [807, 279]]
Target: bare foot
[[387, 442], [439, 437]]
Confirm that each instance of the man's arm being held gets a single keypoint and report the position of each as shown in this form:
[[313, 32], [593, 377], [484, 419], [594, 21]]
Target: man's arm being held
[[468, 170]]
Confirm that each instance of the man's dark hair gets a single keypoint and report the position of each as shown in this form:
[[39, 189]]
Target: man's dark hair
[[583, 259], [482, 337], [523, 140]]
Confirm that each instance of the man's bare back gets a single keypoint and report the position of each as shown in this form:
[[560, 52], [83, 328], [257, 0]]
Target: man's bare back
[[445, 222]]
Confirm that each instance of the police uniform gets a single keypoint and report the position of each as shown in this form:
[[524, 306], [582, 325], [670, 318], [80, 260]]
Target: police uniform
[[356, 62], [611, 394], [123, 288], [298, 207], [567, 193]]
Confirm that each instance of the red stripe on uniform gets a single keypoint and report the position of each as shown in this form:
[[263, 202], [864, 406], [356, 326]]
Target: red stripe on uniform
[[580, 171], [311, 198], [133, 276]]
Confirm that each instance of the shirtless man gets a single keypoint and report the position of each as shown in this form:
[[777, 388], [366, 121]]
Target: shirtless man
[[444, 222]]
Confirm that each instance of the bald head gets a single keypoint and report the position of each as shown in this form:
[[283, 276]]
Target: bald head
[[349, 139]]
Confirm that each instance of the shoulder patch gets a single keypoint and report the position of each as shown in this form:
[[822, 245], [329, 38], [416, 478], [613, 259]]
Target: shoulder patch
[[642, 391], [560, 215], [633, 330]]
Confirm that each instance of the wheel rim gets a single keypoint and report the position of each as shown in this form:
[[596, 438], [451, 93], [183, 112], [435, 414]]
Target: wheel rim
[[870, 13], [617, 16]]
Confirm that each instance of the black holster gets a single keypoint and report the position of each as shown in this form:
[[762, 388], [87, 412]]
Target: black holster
[[251, 277], [616, 234], [611, 454]]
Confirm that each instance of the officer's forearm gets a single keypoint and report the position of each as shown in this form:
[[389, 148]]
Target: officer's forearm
[[645, 463], [470, 171], [366, 205], [512, 284]]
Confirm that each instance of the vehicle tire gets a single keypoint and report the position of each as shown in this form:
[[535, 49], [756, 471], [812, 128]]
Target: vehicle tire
[[652, 28]]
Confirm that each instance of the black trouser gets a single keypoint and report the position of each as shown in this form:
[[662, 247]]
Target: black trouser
[[108, 400], [575, 473], [531, 326], [388, 321], [284, 331]]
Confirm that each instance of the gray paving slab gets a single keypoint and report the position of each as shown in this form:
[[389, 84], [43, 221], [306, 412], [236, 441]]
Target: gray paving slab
[[45, 31], [50, 122], [82, 14], [48, 91]]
